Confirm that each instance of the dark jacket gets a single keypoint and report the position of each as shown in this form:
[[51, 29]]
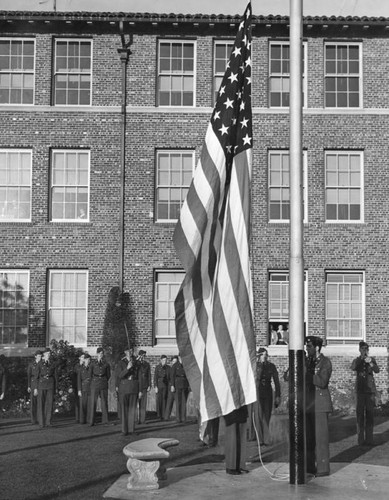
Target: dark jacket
[[128, 378], [365, 383], [84, 377], [318, 375], [161, 376], [100, 373], [47, 376], [266, 372], [144, 375], [32, 375], [3, 379], [178, 377]]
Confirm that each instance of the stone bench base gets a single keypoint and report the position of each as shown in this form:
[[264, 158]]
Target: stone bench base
[[144, 462]]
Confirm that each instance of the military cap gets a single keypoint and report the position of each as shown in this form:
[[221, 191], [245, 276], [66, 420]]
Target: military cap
[[141, 352], [316, 341], [99, 349], [38, 353], [87, 356], [163, 356], [261, 350], [362, 343]]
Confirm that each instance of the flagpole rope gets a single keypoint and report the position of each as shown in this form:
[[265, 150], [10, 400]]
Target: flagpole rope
[[275, 476]]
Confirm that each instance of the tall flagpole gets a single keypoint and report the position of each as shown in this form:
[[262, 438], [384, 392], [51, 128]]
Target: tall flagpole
[[297, 460]]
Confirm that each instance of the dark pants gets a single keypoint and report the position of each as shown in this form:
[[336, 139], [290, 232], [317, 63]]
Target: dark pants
[[235, 446], [128, 404], [142, 407], [181, 398], [317, 441], [162, 395], [265, 407], [45, 406], [171, 397], [76, 405], [212, 430], [84, 405], [103, 394], [365, 417], [34, 407]]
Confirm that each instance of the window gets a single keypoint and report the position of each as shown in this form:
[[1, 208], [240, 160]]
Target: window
[[279, 306], [342, 75], [15, 185], [17, 61], [176, 83], [279, 74], [67, 306], [70, 185], [279, 187], [174, 175], [343, 186], [167, 285], [72, 72], [14, 294], [345, 306], [222, 51]]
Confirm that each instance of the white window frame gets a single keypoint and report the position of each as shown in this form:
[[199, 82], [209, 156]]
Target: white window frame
[[171, 186], [4, 184], [284, 283], [282, 153], [172, 73], [344, 75], [74, 72], [283, 76], [74, 307], [345, 339], [348, 187], [21, 72], [79, 218], [26, 272], [218, 75], [169, 339]]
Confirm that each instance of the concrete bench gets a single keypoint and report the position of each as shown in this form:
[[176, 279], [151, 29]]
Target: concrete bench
[[144, 462]]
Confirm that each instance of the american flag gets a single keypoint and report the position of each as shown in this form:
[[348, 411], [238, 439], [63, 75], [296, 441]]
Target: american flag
[[214, 323]]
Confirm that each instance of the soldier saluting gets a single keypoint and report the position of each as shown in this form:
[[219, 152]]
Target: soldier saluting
[[129, 388]]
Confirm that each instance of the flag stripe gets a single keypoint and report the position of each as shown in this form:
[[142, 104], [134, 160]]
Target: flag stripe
[[214, 322]]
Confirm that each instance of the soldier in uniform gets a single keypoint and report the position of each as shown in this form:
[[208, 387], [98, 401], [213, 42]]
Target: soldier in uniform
[[266, 373], [100, 374], [365, 366], [161, 379], [47, 385], [74, 379], [318, 407], [32, 385], [145, 383], [129, 390], [236, 441], [83, 384], [180, 387], [170, 394]]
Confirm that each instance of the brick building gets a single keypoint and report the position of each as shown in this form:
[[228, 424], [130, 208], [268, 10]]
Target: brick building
[[65, 135]]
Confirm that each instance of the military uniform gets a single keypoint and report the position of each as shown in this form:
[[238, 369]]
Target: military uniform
[[76, 388], [365, 392], [84, 377], [161, 379], [47, 384], [318, 407], [100, 374], [3, 379], [266, 373], [129, 388], [145, 383], [236, 440], [32, 384], [181, 386]]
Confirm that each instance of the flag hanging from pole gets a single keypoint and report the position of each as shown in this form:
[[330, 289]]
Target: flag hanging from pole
[[214, 322]]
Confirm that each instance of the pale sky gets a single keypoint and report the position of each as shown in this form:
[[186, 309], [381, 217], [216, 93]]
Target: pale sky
[[260, 7]]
